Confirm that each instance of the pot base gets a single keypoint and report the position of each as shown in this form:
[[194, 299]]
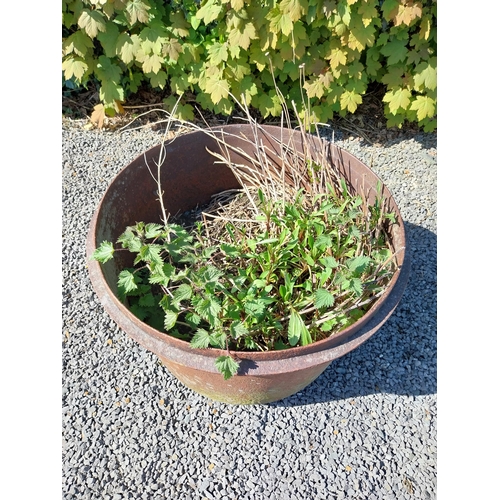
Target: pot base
[[245, 389]]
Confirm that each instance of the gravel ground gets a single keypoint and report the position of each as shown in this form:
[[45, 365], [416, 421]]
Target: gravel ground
[[365, 429]]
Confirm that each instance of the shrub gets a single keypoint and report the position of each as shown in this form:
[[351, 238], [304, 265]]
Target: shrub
[[205, 51]]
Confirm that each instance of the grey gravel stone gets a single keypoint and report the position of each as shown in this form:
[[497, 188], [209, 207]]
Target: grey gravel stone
[[365, 429]]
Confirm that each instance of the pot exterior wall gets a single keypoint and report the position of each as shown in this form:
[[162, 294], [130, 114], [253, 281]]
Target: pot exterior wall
[[244, 389]]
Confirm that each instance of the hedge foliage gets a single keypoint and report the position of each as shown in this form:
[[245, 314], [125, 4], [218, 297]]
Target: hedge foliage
[[329, 50]]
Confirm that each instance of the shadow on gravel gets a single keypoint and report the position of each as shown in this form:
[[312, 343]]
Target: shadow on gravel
[[401, 357]]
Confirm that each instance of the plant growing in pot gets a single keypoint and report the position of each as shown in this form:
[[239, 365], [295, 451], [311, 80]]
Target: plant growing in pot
[[293, 253]]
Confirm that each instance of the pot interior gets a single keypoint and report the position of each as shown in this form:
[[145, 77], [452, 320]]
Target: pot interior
[[190, 176]]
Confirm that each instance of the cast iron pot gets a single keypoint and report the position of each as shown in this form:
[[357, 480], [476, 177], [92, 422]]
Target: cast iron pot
[[190, 177]]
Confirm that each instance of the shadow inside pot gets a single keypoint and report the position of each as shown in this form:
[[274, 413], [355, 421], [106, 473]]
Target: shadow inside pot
[[401, 357]]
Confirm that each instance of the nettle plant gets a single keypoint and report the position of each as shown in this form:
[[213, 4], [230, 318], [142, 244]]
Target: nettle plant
[[291, 258]]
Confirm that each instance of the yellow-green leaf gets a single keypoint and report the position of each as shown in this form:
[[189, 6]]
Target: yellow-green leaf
[[127, 46], [209, 12], [218, 89], [314, 88], [79, 43], [152, 63], [350, 100], [172, 49], [137, 10], [426, 75], [92, 21], [279, 21], [74, 66], [408, 12], [237, 4], [424, 106], [243, 35], [218, 53], [397, 99], [294, 8], [337, 57]]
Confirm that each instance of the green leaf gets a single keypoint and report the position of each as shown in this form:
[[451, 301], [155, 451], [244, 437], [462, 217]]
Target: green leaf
[[227, 366], [127, 280], [108, 38], [297, 330], [128, 239], [238, 329], [329, 262], [200, 340], [395, 51], [323, 298], [184, 292], [153, 230], [158, 80], [193, 319], [147, 300], [230, 250], [151, 253], [208, 308], [358, 265], [353, 284], [390, 9], [255, 308], [170, 319], [394, 77], [103, 252], [269, 104], [218, 339]]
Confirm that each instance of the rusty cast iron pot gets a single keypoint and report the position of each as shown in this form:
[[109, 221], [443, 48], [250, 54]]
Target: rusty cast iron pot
[[189, 177]]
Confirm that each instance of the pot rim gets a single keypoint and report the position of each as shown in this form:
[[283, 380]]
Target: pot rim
[[344, 340]]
